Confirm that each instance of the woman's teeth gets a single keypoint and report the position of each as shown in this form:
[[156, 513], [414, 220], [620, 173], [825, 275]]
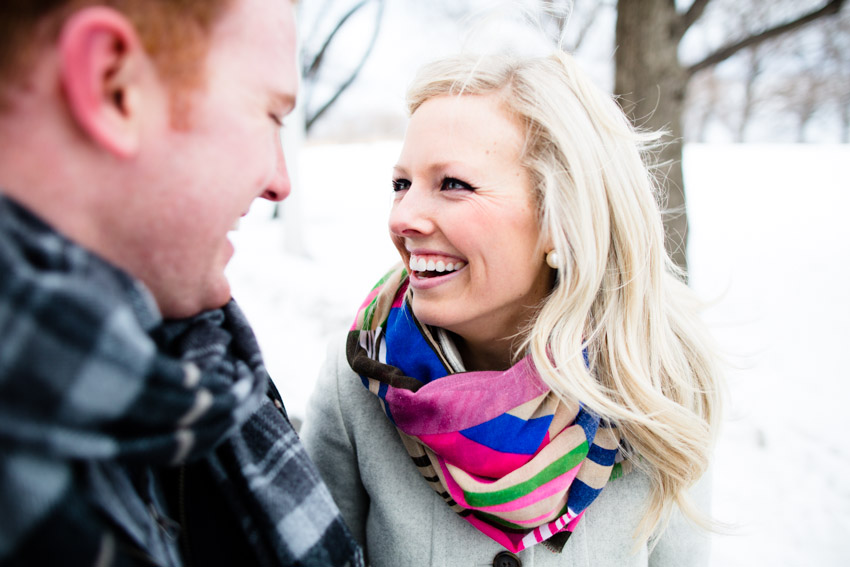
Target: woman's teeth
[[421, 264]]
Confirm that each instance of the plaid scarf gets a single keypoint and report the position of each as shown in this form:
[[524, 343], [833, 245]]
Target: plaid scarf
[[99, 397], [502, 450]]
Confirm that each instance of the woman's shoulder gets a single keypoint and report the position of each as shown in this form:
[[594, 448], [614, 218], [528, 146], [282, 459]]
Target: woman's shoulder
[[337, 374], [340, 389]]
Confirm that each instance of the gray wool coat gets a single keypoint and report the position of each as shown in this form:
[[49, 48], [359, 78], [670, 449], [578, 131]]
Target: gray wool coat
[[402, 522]]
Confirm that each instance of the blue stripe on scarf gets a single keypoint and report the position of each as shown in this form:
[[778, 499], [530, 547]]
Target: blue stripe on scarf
[[510, 434], [589, 422], [408, 350], [600, 456], [581, 495], [382, 393]]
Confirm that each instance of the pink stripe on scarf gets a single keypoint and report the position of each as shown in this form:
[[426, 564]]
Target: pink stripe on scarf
[[371, 296], [453, 402], [572, 525], [398, 301], [399, 298], [473, 457], [516, 542], [367, 301]]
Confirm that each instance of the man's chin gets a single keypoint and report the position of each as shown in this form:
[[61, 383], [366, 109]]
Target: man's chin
[[184, 306], [218, 300]]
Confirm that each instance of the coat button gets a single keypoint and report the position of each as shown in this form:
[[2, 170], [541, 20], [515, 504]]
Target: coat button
[[506, 559]]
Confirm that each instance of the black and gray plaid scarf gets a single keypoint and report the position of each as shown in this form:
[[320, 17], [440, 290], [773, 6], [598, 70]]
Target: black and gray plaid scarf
[[98, 396]]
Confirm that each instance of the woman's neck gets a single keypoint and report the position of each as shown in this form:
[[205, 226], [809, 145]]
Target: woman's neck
[[486, 355]]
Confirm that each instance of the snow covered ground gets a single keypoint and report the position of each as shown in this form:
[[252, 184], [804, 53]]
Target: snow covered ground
[[770, 247]]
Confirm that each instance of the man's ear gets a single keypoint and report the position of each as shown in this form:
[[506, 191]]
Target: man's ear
[[102, 66]]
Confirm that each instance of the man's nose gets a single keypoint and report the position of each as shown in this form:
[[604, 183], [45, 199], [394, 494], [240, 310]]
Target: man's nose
[[279, 186]]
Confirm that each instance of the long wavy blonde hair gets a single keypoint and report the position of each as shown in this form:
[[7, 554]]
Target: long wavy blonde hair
[[618, 298]]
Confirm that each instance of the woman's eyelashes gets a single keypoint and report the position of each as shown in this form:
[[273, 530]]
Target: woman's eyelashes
[[454, 184], [446, 184]]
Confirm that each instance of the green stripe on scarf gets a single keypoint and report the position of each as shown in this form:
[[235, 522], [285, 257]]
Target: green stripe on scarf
[[554, 470], [369, 314], [616, 471]]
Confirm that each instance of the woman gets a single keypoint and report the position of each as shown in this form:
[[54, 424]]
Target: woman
[[535, 370]]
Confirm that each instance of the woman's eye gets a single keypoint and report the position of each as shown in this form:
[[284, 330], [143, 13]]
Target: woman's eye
[[400, 185], [452, 184]]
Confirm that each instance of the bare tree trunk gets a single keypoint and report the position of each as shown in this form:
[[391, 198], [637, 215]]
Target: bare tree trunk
[[754, 69], [702, 103], [651, 84], [805, 114]]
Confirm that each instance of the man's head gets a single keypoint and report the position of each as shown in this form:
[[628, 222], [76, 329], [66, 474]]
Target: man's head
[[173, 32], [99, 149]]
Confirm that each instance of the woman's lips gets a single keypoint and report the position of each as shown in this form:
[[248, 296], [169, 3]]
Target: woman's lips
[[420, 281]]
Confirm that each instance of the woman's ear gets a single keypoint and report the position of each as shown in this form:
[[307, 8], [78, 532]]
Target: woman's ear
[[102, 64], [546, 244]]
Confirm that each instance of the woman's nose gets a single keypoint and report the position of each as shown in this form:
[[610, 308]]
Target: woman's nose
[[411, 213]]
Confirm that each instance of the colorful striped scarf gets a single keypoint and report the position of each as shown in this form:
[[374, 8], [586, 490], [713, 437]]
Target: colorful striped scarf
[[504, 451]]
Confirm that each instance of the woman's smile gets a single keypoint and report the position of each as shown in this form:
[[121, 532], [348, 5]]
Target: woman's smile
[[429, 279]]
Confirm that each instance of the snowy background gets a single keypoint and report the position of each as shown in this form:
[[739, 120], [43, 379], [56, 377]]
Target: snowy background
[[770, 248]]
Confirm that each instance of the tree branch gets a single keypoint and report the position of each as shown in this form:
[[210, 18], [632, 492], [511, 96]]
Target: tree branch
[[582, 33], [693, 14], [317, 60], [342, 88], [831, 8]]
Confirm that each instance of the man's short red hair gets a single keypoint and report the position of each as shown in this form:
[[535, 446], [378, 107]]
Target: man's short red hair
[[173, 32]]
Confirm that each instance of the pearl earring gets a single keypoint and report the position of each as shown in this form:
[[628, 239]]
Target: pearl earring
[[553, 259]]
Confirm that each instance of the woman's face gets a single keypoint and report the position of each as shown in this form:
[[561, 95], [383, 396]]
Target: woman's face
[[465, 222]]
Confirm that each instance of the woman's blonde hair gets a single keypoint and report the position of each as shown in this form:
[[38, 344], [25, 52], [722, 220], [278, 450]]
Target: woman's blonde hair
[[618, 299]]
